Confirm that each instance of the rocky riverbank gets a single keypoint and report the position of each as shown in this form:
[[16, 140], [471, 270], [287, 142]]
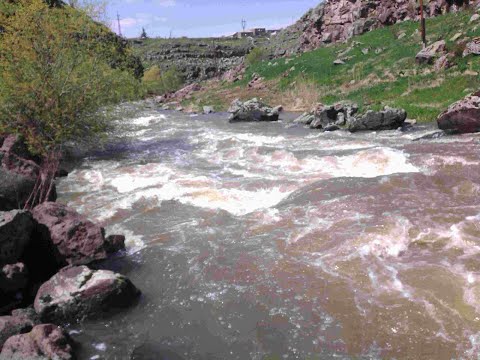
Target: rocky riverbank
[[49, 260]]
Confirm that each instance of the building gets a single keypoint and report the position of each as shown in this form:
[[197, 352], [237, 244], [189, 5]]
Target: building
[[256, 32]]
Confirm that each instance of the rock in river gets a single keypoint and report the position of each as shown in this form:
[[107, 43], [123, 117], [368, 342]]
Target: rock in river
[[73, 239], [79, 292], [462, 116], [388, 119], [252, 110]]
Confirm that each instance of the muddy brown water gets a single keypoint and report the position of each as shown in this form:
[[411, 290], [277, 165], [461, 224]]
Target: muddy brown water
[[271, 241]]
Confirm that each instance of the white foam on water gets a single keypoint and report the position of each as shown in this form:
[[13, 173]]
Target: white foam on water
[[147, 120]]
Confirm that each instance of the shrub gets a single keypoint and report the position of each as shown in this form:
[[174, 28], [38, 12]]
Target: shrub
[[158, 82], [256, 55], [55, 78]]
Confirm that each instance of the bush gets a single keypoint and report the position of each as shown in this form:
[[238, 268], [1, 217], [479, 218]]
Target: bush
[[255, 56], [158, 83], [55, 78]]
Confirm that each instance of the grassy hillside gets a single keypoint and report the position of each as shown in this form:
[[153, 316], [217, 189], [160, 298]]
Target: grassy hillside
[[385, 75]]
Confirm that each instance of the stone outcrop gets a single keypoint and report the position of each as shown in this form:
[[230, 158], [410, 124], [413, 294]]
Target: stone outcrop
[[73, 239], [462, 116], [43, 342], [196, 59], [79, 292], [252, 110], [339, 20], [388, 119]]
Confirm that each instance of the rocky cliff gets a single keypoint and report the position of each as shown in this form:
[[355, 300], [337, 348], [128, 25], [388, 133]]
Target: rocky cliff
[[338, 20], [196, 59]]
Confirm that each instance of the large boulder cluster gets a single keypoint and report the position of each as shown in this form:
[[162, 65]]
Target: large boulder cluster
[[345, 116], [338, 20], [48, 258]]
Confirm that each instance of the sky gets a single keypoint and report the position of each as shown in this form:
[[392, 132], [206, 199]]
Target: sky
[[203, 18]]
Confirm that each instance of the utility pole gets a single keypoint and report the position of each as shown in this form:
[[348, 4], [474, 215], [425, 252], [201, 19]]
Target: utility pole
[[244, 24], [423, 28], [119, 26]]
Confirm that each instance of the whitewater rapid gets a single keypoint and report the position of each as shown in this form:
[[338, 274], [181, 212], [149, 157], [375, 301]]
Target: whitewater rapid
[[268, 240]]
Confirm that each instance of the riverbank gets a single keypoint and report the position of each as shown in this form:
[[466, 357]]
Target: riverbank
[[376, 69]]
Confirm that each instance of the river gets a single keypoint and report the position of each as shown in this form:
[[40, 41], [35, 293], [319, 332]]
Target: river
[[271, 241]]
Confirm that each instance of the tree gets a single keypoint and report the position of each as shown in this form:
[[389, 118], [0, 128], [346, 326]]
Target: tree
[[144, 34], [55, 77]]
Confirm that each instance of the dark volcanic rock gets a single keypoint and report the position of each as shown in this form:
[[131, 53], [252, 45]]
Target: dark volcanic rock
[[462, 116], [252, 110], [73, 239], [43, 342], [15, 231], [21, 321], [78, 292], [388, 119], [114, 243], [15, 190]]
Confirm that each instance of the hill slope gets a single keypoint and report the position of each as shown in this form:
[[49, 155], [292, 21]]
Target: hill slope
[[379, 70]]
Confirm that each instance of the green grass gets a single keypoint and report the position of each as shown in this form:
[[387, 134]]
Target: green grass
[[387, 74]]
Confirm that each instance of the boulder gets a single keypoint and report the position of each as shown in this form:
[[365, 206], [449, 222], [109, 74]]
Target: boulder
[[430, 53], [462, 116], [443, 62], [186, 92], [114, 243], [388, 119], [252, 110], [15, 232], [15, 190], [13, 278], [79, 292], [42, 342], [21, 321], [338, 114], [208, 110], [472, 47], [73, 239], [305, 119], [257, 82]]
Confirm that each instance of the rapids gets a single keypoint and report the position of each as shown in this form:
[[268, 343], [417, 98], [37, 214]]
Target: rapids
[[271, 241]]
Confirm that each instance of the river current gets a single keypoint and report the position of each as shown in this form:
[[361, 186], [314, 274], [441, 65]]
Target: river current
[[271, 241]]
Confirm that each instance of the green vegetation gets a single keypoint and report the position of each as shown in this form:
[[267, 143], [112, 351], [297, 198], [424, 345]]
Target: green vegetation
[[157, 82], [256, 56], [59, 70], [379, 70]]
